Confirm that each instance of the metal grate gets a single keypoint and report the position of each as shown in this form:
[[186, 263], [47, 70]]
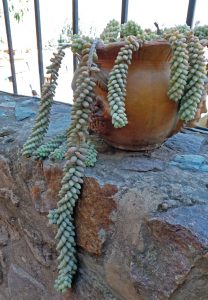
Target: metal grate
[[75, 13]]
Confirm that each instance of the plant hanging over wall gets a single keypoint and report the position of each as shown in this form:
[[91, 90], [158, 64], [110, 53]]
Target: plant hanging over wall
[[188, 72]]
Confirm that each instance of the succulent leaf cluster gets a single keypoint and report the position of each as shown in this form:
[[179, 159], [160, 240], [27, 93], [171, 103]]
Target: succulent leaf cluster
[[59, 153], [74, 168], [179, 28], [46, 149], [131, 28], [195, 81], [111, 32], [201, 32], [117, 83], [148, 35], [188, 71], [179, 64], [62, 216], [91, 156], [43, 116], [78, 42]]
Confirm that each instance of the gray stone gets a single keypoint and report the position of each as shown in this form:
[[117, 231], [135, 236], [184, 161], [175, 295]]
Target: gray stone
[[60, 118], [194, 219], [2, 113], [6, 131], [4, 236], [8, 104], [143, 164], [26, 109], [1, 275], [23, 286], [188, 158], [126, 249], [190, 162], [183, 142], [204, 168], [174, 243]]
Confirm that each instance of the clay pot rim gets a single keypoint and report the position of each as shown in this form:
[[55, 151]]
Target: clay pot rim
[[147, 52], [106, 47]]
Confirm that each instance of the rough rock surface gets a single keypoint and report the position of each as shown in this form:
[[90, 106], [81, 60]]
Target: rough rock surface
[[142, 220]]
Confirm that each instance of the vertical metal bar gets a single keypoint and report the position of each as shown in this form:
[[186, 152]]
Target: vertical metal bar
[[9, 42], [75, 19], [190, 12], [124, 11], [39, 42]]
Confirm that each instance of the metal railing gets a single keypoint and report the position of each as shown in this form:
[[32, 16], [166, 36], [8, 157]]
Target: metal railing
[[75, 14]]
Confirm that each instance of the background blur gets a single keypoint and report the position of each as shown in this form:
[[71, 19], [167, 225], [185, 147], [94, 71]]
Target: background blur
[[56, 16]]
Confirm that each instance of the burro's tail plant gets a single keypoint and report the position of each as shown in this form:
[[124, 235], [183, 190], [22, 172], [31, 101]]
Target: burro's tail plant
[[187, 78]]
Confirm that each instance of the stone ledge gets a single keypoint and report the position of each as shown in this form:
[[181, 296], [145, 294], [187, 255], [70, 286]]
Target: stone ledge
[[141, 221]]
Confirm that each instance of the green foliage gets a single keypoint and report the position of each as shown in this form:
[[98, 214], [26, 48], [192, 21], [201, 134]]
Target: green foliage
[[201, 32], [65, 35], [195, 81], [188, 71], [131, 28], [18, 9], [78, 43], [111, 31], [117, 83], [179, 64], [59, 153], [91, 155], [148, 35], [46, 149], [43, 117], [73, 173]]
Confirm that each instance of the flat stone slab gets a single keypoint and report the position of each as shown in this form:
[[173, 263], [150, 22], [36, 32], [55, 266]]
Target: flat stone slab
[[194, 219], [25, 109], [190, 162], [183, 142]]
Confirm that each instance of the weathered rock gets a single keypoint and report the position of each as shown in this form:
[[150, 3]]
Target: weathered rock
[[174, 244], [22, 285], [4, 235], [190, 162], [94, 215], [127, 250], [9, 195], [184, 143], [25, 109], [6, 131]]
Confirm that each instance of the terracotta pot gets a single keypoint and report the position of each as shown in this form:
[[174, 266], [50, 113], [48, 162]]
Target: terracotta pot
[[152, 116]]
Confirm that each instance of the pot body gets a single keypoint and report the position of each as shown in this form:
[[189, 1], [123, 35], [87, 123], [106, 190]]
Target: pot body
[[152, 116]]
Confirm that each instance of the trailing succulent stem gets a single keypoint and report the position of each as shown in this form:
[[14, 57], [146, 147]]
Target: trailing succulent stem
[[195, 81], [111, 32], [179, 65], [46, 149], [43, 117], [91, 157], [74, 171], [188, 71], [59, 153], [117, 83]]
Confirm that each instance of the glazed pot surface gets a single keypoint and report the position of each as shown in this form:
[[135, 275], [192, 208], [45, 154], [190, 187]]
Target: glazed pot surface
[[152, 116]]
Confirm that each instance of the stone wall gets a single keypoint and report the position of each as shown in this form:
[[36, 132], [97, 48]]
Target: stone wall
[[142, 219]]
